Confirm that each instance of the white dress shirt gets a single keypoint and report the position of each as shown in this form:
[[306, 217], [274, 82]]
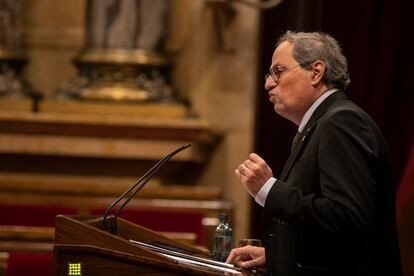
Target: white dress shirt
[[264, 191]]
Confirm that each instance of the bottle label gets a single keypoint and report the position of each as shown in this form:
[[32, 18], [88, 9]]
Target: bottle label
[[222, 247]]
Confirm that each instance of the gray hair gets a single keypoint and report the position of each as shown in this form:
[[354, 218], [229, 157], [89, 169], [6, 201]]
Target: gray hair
[[310, 47]]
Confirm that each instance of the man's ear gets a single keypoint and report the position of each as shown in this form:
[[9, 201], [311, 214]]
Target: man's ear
[[318, 70]]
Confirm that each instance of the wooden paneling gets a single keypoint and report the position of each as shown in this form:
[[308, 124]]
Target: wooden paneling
[[102, 136]]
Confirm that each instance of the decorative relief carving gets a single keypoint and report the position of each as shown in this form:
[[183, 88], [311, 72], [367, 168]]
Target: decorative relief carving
[[12, 57], [123, 58]]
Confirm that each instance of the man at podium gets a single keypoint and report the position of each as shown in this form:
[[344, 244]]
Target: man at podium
[[332, 210]]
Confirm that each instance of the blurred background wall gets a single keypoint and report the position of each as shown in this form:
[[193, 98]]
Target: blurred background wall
[[216, 79]]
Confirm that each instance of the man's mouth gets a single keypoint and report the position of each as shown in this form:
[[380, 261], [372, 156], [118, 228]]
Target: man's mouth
[[271, 97]]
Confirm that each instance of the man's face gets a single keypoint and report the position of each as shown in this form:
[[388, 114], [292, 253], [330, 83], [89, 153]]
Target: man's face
[[292, 94]]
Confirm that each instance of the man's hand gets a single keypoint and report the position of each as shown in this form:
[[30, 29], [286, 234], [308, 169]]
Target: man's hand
[[247, 257], [253, 173]]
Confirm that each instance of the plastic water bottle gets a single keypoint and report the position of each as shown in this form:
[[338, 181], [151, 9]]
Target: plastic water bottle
[[223, 240]]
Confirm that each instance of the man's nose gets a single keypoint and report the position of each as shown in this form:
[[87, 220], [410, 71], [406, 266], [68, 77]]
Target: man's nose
[[269, 83]]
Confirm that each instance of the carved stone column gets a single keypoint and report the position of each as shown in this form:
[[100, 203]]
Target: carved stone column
[[122, 58], [12, 58]]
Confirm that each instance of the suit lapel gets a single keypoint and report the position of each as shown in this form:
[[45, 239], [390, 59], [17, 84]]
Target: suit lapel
[[307, 131], [294, 154]]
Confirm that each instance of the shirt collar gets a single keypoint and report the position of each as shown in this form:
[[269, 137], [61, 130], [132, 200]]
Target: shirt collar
[[312, 109]]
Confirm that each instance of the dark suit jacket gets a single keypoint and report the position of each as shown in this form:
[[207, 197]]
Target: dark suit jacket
[[332, 211]]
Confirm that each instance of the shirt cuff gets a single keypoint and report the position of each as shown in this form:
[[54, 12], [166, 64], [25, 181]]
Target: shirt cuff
[[264, 191]]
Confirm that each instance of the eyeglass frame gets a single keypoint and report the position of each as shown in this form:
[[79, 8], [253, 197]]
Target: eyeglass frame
[[275, 73]]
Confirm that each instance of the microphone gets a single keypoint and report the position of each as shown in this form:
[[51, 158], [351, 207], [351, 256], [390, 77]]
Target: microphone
[[147, 176]]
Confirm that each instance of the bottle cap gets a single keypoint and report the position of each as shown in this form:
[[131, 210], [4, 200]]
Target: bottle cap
[[223, 216]]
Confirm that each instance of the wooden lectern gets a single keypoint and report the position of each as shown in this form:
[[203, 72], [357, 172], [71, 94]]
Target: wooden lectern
[[82, 248]]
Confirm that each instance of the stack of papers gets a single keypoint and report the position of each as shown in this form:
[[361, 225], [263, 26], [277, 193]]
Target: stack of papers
[[190, 260]]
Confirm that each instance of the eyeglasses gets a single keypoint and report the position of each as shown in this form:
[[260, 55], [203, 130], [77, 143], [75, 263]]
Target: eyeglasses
[[276, 71]]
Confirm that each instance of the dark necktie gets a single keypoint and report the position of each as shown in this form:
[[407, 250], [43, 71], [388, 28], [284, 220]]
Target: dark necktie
[[296, 140]]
